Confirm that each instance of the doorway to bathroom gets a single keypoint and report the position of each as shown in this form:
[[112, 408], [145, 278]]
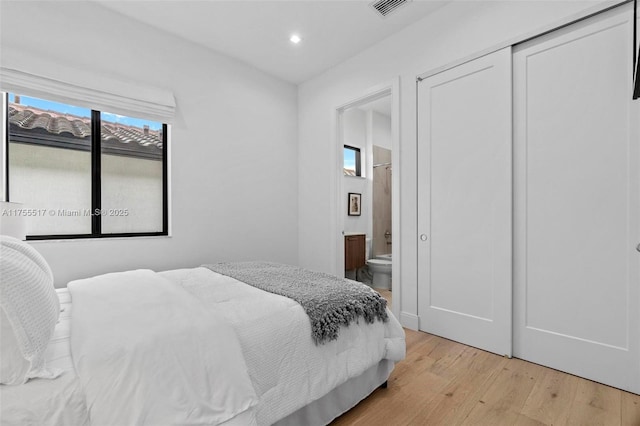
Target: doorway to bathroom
[[367, 189]]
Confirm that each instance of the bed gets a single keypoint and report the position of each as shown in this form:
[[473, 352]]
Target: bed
[[194, 346]]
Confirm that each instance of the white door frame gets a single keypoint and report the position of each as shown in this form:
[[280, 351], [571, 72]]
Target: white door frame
[[392, 89]]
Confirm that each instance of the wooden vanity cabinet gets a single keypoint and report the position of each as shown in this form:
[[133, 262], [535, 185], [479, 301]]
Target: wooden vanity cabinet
[[354, 251]]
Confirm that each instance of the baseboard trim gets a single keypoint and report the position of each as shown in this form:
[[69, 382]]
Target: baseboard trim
[[410, 321]]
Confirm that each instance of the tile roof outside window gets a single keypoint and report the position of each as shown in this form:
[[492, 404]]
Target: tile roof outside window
[[118, 139]]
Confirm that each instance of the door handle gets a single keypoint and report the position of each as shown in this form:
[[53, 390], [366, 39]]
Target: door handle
[[423, 237], [638, 247]]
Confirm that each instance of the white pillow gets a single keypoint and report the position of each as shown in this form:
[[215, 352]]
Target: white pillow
[[30, 310]]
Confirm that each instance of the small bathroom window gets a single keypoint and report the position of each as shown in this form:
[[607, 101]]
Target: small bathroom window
[[352, 162]]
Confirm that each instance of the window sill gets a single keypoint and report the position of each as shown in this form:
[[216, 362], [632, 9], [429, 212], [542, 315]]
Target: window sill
[[70, 240]]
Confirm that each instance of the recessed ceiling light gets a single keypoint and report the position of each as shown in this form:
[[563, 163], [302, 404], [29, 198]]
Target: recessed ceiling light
[[295, 39]]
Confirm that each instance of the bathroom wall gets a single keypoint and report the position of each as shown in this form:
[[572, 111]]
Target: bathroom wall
[[356, 134], [381, 182], [381, 129], [381, 201], [371, 132]]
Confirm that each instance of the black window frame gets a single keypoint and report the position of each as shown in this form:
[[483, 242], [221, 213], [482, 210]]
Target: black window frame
[[636, 53], [357, 152], [96, 183]]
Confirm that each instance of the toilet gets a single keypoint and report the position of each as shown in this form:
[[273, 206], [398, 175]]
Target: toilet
[[380, 269]]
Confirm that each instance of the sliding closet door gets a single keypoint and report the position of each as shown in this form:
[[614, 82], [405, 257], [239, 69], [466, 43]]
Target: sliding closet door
[[576, 270], [464, 203]]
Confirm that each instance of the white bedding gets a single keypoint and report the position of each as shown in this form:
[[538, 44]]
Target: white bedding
[[149, 353], [56, 402], [286, 369]]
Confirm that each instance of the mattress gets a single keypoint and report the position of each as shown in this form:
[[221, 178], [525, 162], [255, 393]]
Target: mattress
[[293, 382]]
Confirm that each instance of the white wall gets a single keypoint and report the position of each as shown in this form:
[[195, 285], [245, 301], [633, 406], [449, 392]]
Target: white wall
[[57, 183], [60, 181], [233, 146], [381, 130], [132, 188], [355, 124], [453, 32], [355, 130]]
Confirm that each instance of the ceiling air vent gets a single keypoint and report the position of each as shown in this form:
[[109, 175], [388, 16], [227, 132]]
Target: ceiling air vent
[[385, 7]]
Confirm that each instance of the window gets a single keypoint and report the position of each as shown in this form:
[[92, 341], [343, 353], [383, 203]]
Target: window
[[352, 161], [83, 173]]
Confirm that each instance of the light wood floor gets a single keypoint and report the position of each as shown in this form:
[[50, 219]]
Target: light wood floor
[[442, 382]]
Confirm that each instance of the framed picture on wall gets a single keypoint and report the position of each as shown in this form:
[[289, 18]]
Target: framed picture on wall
[[355, 204]]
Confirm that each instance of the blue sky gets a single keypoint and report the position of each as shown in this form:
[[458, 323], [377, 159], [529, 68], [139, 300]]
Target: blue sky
[[349, 159], [83, 112]]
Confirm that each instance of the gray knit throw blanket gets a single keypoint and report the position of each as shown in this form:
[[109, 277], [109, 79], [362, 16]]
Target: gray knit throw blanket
[[329, 301]]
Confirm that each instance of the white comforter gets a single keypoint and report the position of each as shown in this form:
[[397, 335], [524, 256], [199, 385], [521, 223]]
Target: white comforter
[[287, 369], [147, 352], [141, 337]]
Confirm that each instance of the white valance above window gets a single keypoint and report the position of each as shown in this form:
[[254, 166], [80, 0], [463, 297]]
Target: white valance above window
[[89, 90]]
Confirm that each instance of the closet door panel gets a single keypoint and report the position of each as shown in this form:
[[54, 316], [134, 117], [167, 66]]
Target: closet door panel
[[576, 219], [465, 203]]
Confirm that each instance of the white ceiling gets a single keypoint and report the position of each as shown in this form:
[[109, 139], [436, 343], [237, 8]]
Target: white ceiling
[[257, 32]]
